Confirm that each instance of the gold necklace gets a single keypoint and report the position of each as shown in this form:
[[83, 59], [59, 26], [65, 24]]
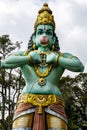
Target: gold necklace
[[42, 79], [46, 73]]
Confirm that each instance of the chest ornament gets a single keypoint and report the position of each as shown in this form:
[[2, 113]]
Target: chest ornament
[[42, 76]]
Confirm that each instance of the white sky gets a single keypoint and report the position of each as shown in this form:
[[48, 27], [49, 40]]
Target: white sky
[[17, 19]]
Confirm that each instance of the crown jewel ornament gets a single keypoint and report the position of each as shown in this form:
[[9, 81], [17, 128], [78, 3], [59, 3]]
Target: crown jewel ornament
[[45, 16]]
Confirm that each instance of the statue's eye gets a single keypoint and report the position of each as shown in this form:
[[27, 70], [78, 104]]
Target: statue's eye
[[39, 32], [49, 33]]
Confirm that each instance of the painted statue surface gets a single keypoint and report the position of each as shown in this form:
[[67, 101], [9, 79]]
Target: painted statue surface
[[40, 105]]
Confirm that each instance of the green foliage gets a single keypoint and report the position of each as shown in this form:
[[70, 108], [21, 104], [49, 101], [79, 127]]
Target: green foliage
[[10, 84], [74, 92]]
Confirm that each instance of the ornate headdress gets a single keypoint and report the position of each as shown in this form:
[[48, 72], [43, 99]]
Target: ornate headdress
[[45, 16]]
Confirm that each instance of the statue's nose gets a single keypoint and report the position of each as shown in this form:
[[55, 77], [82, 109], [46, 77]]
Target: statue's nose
[[44, 40]]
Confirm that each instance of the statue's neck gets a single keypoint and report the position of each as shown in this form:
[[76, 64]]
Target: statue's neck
[[43, 49]]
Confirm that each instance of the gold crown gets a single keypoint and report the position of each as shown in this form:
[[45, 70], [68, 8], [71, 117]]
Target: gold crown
[[45, 16]]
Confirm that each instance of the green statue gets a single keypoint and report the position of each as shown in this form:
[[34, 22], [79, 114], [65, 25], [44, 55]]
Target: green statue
[[40, 105]]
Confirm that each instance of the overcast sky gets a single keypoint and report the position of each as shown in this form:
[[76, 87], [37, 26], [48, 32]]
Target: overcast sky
[[17, 19]]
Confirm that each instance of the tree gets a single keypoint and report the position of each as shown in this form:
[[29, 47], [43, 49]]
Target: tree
[[10, 85], [75, 95]]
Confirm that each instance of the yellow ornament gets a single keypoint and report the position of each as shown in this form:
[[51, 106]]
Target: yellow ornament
[[53, 47], [40, 100], [34, 46], [45, 16]]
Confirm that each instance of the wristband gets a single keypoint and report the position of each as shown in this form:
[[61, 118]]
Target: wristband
[[30, 59], [56, 60]]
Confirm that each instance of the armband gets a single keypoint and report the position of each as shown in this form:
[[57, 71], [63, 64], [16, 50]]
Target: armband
[[30, 58], [60, 54], [26, 52], [56, 60]]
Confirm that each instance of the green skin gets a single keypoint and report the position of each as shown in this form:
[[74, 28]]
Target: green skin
[[68, 62]]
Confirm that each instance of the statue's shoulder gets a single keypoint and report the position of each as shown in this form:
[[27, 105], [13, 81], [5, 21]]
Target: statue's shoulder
[[26, 52], [21, 53], [67, 55]]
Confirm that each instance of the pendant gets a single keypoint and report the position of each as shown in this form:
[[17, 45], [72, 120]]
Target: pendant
[[42, 81]]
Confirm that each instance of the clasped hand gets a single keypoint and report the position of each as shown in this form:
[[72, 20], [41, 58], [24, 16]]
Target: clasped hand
[[51, 58]]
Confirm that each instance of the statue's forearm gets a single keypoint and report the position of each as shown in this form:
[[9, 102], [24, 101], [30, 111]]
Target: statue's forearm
[[72, 64], [8, 66], [15, 61]]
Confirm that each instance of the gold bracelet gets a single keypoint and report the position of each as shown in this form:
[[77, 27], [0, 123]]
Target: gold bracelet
[[30, 59], [60, 54], [26, 52], [57, 57]]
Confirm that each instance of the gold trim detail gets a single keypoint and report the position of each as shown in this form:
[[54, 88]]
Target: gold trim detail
[[57, 57], [42, 79], [30, 58], [34, 46], [53, 47], [46, 73], [26, 52], [60, 53], [40, 100], [45, 16]]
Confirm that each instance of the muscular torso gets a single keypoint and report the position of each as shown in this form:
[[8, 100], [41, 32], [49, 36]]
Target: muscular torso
[[51, 84]]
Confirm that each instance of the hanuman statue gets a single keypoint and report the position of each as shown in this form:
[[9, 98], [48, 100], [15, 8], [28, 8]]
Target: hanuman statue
[[40, 105]]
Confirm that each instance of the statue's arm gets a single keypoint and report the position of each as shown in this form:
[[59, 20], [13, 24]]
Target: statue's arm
[[15, 60], [71, 63]]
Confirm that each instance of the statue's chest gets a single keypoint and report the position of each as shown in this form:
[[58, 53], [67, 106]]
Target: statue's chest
[[44, 73], [41, 74]]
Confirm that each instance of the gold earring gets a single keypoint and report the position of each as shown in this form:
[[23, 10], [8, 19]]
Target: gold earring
[[34, 46], [53, 47]]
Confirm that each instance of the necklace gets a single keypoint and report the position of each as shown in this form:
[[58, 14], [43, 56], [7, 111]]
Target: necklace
[[42, 76]]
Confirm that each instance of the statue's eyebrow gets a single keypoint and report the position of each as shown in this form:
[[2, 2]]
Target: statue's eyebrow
[[39, 29], [49, 30]]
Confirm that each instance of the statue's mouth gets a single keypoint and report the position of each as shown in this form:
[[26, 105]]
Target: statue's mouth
[[44, 40]]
